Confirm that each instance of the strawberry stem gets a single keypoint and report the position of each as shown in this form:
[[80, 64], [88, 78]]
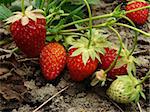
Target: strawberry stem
[[87, 19], [83, 28], [90, 21], [121, 45], [102, 16], [133, 28], [143, 80], [5, 41], [141, 8], [22, 6], [135, 38]]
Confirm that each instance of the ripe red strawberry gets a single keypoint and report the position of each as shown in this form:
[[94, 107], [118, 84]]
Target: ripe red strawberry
[[83, 56], [107, 59], [138, 17], [28, 31], [77, 70], [52, 60]]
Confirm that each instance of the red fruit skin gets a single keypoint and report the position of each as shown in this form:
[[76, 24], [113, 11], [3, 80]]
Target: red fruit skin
[[138, 17], [77, 70], [107, 59], [52, 60], [29, 38]]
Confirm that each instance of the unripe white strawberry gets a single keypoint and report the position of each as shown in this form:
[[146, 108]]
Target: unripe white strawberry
[[124, 90]]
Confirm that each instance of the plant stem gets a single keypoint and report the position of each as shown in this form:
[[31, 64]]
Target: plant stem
[[102, 16], [141, 8], [90, 21], [84, 28], [61, 4], [143, 80], [135, 38], [87, 19], [133, 28], [80, 34], [121, 45], [2, 42], [42, 4], [22, 6], [140, 109], [15, 49]]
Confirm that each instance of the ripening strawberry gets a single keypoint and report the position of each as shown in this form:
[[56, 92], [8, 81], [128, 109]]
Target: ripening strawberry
[[124, 90], [52, 60], [107, 58], [138, 17], [28, 31], [77, 70]]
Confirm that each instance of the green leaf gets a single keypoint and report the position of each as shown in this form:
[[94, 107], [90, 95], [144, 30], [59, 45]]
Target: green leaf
[[85, 57], [38, 3], [78, 52], [78, 2], [131, 68], [98, 57], [4, 12], [99, 50], [134, 96], [58, 37], [143, 95], [70, 40], [50, 38], [5, 2], [120, 63], [92, 54], [136, 61]]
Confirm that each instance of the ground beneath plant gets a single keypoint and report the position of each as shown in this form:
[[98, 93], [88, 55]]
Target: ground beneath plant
[[23, 88]]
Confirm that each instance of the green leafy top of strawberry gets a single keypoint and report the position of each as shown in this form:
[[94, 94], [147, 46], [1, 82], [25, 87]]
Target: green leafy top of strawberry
[[128, 60], [98, 43], [24, 17]]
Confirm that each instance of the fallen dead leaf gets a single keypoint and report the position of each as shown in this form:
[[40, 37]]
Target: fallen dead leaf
[[9, 94], [3, 71]]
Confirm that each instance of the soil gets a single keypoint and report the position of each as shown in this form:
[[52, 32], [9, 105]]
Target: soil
[[23, 88]]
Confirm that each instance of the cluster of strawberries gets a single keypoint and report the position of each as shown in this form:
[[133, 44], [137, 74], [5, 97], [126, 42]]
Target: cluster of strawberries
[[29, 32]]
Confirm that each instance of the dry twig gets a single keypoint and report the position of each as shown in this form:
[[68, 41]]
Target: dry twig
[[50, 99]]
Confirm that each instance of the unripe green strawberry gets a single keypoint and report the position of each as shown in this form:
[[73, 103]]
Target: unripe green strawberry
[[124, 89]]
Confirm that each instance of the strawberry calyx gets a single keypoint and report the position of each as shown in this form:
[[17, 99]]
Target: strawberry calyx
[[97, 45], [26, 16], [99, 77], [127, 59]]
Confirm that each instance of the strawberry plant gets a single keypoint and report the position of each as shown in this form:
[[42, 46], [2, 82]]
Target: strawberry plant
[[60, 34]]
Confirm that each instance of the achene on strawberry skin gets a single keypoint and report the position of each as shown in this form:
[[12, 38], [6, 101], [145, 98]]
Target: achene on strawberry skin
[[52, 60]]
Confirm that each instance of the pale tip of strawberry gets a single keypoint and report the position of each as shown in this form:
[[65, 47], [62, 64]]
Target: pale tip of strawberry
[[24, 20]]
